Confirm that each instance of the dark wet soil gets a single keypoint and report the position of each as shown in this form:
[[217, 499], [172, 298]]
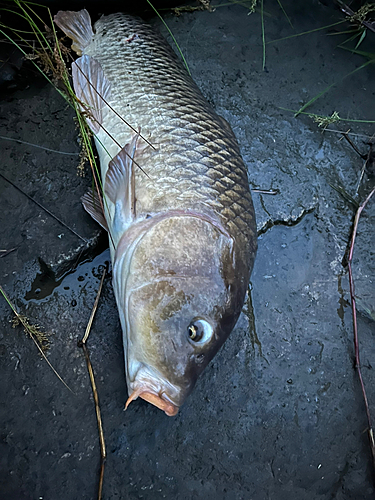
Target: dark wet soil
[[278, 413]]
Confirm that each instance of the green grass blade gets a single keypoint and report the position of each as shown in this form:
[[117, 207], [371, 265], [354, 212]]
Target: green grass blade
[[170, 32], [361, 39], [369, 55], [285, 14], [26, 2], [314, 99], [307, 32], [263, 36], [15, 30], [354, 30], [323, 117], [350, 39], [37, 31], [14, 12], [329, 87]]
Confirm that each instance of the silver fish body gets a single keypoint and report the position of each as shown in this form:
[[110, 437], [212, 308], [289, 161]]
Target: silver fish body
[[177, 203]]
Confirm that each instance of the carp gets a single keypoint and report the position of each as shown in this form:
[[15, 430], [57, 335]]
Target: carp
[[176, 198]]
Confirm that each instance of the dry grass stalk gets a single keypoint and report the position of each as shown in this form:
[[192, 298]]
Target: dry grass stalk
[[324, 121], [32, 331], [204, 5], [355, 328], [83, 343]]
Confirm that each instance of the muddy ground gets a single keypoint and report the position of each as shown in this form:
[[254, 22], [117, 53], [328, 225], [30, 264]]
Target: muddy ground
[[278, 413]]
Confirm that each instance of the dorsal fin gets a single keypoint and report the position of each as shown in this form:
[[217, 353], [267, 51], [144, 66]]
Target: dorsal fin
[[90, 85]]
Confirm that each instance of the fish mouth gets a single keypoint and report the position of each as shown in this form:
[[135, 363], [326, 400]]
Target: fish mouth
[[157, 400], [150, 385]]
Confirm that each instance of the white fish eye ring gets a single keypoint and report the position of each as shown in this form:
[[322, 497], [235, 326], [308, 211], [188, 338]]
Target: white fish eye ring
[[199, 331]]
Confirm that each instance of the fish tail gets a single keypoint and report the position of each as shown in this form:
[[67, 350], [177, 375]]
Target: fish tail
[[77, 26]]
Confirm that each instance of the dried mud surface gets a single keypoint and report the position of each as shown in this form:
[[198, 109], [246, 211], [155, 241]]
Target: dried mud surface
[[278, 413]]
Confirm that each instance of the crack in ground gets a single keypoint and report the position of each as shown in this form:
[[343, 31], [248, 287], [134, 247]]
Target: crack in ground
[[289, 222], [339, 482], [248, 310]]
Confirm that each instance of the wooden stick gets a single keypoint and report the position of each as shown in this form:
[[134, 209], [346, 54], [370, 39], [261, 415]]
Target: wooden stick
[[82, 343], [355, 328]]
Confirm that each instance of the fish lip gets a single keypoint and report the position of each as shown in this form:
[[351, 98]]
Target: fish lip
[[151, 386], [158, 400]]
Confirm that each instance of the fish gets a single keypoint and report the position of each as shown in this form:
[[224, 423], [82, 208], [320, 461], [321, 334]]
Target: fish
[[176, 199]]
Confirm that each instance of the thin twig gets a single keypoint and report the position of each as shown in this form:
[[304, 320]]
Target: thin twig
[[44, 208], [82, 343], [363, 169], [367, 158], [263, 37], [4, 253], [347, 133], [355, 329], [364, 157], [347, 138], [37, 146], [89, 324], [266, 191], [24, 323]]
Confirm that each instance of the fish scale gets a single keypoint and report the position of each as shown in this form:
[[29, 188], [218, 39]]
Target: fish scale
[[182, 226]]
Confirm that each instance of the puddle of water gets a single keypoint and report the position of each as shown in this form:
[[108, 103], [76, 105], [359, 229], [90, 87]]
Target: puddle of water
[[48, 282]]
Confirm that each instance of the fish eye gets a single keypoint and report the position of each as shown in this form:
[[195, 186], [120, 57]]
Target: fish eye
[[199, 331]]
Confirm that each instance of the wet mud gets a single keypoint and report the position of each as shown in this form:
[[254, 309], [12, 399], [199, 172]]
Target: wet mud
[[279, 412]]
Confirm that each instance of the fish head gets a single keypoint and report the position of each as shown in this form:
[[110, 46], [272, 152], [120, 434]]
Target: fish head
[[185, 287]]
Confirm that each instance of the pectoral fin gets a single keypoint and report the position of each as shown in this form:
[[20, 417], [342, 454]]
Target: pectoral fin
[[120, 186], [93, 206], [92, 89]]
